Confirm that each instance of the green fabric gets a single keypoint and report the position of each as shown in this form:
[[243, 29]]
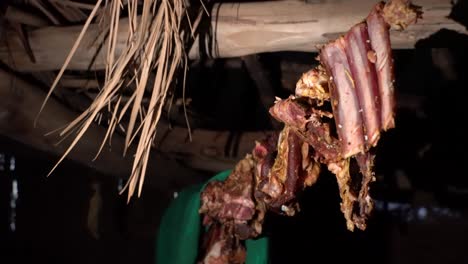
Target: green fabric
[[179, 231]]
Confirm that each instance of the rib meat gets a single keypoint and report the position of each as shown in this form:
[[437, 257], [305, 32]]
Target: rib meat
[[360, 57], [397, 14], [344, 99], [379, 37]]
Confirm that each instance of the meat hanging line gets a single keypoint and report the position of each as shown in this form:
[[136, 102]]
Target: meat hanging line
[[335, 118]]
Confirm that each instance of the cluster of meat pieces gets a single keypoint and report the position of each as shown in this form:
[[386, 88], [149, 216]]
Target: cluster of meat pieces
[[231, 202], [334, 118]]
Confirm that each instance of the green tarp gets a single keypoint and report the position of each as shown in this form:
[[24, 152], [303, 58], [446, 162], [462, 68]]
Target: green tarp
[[180, 228]]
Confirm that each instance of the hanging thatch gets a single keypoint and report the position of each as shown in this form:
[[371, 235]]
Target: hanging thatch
[[155, 48]]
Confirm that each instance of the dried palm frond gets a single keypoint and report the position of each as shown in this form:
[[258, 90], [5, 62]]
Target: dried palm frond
[[155, 43]]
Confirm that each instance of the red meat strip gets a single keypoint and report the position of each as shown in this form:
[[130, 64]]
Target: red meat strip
[[344, 99], [382, 55], [358, 52]]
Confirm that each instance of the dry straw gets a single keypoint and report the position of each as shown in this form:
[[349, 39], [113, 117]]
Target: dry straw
[[155, 45]]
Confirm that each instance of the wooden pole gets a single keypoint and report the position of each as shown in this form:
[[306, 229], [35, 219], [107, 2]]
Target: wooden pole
[[239, 29], [19, 104], [14, 14], [209, 150]]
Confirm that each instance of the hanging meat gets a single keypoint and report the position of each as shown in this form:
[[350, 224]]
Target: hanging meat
[[335, 118], [232, 202]]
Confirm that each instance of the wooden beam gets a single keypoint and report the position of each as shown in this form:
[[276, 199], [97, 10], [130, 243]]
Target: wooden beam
[[71, 82], [209, 150], [255, 27], [19, 103], [238, 29], [14, 14]]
